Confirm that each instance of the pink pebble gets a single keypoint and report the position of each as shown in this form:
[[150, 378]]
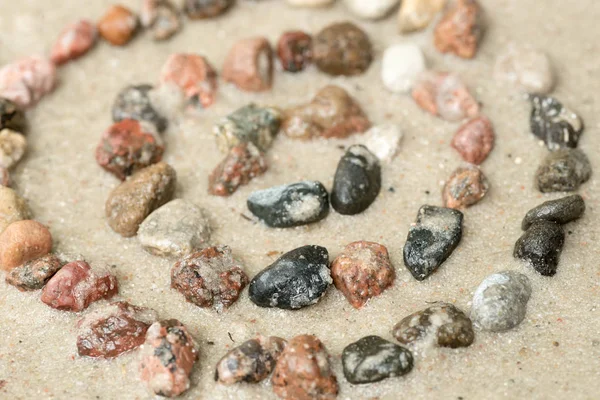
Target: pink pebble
[[26, 81], [74, 41]]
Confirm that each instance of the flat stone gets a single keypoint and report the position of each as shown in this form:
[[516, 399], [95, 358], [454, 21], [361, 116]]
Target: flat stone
[[563, 170], [34, 274], [242, 163], [401, 66], [135, 102], [342, 48], [526, 68], [432, 239], [561, 211], [466, 187], [11, 116], [540, 246], [371, 10], [553, 123], [12, 208], [383, 141], [415, 15]]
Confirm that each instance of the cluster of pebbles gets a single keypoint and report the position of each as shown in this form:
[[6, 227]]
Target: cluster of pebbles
[[207, 274]]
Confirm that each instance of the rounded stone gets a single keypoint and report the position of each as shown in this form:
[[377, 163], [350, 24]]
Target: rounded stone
[[161, 17], [342, 49], [383, 141], [415, 15], [466, 186], [118, 25], [12, 148], [401, 65], [528, 69], [193, 75], [372, 9], [553, 123], [474, 140], [460, 29], [294, 50], [23, 241], [563, 170], [34, 274], [11, 116], [540, 246], [249, 65], [74, 41], [134, 102], [12, 208], [561, 211]]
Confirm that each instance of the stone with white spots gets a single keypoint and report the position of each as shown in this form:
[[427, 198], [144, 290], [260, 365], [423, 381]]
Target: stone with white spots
[[401, 65]]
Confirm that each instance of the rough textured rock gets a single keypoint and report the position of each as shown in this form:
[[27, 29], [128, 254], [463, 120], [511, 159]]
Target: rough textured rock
[[193, 75], [11, 116], [134, 102], [432, 239], [474, 140], [202, 9], [342, 48], [23, 241], [466, 186], [401, 65], [460, 29], [528, 69], [415, 15], [12, 208], [27, 80], [297, 279], [561, 211], [242, 163], [34, 274], [294, 50], [540, 246], [74, 41], [161, 17], [553, 123], [563, 170], [118, 25], [12, 148], [249, 65], [383, 141], [370, 10]]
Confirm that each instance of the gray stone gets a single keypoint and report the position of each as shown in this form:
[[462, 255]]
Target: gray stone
[[561, 211], [134, 102], [563, 170], [553, 123], [540, 246]]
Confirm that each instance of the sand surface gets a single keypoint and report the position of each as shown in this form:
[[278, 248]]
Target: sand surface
[[554, 353]]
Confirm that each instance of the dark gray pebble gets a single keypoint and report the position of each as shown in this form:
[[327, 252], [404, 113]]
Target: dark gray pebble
[[561, 211], [11, 116], [563, 170], [553, 123], [134, 102], [540, 246]]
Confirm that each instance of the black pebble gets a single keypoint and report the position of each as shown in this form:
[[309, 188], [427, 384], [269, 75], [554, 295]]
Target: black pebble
[[297, 279], [553, 123], [133, 102], [432, 239], [561, 211], [540, 246], [372, 359], [290, 205], [357, 181]]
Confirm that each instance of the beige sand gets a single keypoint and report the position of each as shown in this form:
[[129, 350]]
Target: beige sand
[[554, 353]]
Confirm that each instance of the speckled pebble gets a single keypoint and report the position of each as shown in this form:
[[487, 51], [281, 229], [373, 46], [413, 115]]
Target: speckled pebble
[[553, 123], [342, 48], [34, 274], [474, 140], [466, 186], [561, 211], [563, 170], [242, 163], [135, 102], [161, 17], [400, 67], [460, 29], [540, 246]]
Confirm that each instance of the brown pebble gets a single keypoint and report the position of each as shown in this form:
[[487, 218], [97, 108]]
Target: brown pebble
[[342, 49], [243, 163], [34, 274], [118, 25], [11, 116], [201, 9], [249, 65], [26, 81], [303, 371], [294, 50], [460, 29], [362, 271], [194, 75], [133, 200], [74, 41], [474, 140], [12, 208], [161, 18], [23, 241], [465, 187]]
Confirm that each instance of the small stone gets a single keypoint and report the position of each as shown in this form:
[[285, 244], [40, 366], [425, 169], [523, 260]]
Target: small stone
[[553, 123], [134, 102], [175, 229], [362, 271], [250, 362], [74, 41], [444, 95], [118, 25], [540, 246], [474, 140], [75, 286], [23, 241], [209, 278], [500, 301], [401, 66], [383, 141], [12, 148], [113, 329], [561, 211], [161, 18], [432, 239], [357, 181], [133, 200], [167, 358], [243, 163], [5, 180], [294, 50], [460, 29], [286, 206], [12, 208], [249, 65], [297, 279], [442, 324], [26, 81], [415, 15], [372, 10], [466, 186], [342, 49], [11, 116], [310, 3], [373, 359], [202, 9], [34, 274], [526, 68], [251, 123], [332, 113], [194, 75], [303, 371], [563, 171]]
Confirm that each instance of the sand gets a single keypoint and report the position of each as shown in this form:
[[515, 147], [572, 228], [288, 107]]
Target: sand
[[554, 353]]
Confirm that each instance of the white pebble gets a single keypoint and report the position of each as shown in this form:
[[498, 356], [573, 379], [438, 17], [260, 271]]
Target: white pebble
[[401, 65], [415, 15], [383, 141], [529, 69], [370, 9], [310, 3]]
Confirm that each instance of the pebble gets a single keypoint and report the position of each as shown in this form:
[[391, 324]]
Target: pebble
[[373, 359], [303, 371], [11, 116], [371, 10], [251, 123], [202, 9], [118, 25], [442, 324], [310, 3], [561, 211], [193, 75], [167, 358], [74, 41], [34, 274], [249, 65], [500, 301], [474, 140], [553, 123], [290, 205], [161, 17], [297, 279], [12, 148], [250, 362], [209, 278], [175, 229], [460, 29], [540, 246], [357, 181], [466, 186], [362, 271], [23, 241], [563, 170], [332, 113], [294, 50], [133, 200], [444, 95], [12, 208], [26, 81], [401, 66], [127, 147], [432, 239], [134, 102], [5, 179], [243, 163], [113, 329], [383, 141], [526, 68], [75, 286], [415, 15], [342, 49]]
